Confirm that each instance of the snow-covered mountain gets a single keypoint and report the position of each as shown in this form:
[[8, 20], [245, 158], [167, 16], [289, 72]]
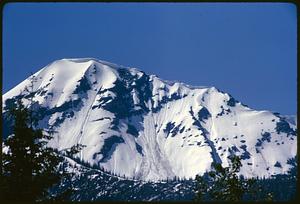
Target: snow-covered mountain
[[148, 128]]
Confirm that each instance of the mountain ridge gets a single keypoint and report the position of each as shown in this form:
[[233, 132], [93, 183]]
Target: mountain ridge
[[151, 129]]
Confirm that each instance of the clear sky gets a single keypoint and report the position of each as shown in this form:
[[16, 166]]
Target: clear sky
[[246, 49]]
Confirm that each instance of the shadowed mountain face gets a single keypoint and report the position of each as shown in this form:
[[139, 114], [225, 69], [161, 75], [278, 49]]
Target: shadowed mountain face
[[144, 127]]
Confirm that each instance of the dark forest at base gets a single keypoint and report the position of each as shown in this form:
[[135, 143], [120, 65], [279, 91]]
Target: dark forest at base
[[98, 184]]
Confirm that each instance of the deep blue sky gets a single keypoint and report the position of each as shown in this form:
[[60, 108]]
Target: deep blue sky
[[245, 49]]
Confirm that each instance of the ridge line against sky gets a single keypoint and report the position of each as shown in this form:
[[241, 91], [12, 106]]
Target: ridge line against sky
[[248, 50]]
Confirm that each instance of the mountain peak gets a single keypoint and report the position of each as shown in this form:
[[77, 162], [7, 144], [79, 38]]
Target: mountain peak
[[92, 60], [148, 128]]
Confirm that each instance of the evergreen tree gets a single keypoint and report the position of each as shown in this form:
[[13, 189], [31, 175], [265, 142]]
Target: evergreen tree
[[29, 167], [201, 188], [224, 184]]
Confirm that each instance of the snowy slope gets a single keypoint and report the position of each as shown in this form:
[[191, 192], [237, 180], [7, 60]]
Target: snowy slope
[[144, 127]]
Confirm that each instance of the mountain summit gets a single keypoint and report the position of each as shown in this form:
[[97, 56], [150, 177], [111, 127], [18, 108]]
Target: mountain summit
[[150, 129]]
